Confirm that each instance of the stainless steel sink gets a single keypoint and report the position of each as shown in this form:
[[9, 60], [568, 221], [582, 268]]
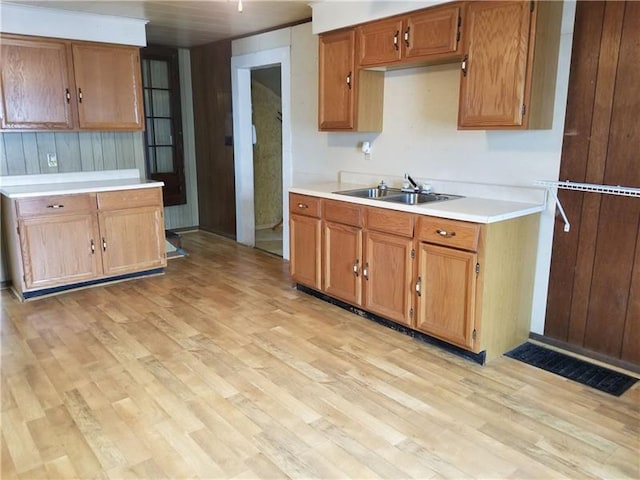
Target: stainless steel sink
[[418, 198], [396, 195], [374, 192]]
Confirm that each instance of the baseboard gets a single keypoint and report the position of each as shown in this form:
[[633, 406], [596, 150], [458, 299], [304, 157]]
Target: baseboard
[[622, 366]]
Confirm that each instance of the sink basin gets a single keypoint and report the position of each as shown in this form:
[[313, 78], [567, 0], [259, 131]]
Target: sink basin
[[418, 198], [371, 192], [396, 195]]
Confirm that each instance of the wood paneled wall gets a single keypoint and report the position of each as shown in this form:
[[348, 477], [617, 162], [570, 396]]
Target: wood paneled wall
[[26, 153], [594, 289], [211, 80]]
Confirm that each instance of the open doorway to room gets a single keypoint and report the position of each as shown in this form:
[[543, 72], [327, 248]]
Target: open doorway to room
[[242, 68], [266, 101]]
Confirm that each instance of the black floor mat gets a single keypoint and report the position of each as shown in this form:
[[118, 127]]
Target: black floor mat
[[603, 379]]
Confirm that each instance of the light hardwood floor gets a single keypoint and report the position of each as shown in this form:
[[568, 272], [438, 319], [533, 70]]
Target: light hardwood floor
[[219, 369]]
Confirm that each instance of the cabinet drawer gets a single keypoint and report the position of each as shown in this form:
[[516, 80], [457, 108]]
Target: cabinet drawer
[[390, 221], [451, 233], [304, 205], [142, 197], [343, 212], [55, 205]]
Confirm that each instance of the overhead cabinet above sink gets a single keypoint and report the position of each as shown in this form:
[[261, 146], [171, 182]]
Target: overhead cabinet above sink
[[508, 53]]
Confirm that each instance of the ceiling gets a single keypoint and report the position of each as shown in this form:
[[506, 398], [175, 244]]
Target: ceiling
[[186, 23]]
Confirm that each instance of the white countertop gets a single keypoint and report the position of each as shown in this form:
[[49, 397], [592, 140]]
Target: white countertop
[[65, 184], [469, 209]]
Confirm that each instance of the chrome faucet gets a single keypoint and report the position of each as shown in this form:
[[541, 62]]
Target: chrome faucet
[[408, 180]]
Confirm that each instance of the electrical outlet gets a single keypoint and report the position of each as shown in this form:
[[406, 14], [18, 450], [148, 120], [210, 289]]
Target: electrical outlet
[[52, 159]]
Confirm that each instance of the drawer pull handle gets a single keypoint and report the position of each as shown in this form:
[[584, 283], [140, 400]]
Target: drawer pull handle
[[419, 286], [365, 271], [445, 234], [303, 206], [55, 205], [93, 247], [104, 245], [395, 40], [356, 268]]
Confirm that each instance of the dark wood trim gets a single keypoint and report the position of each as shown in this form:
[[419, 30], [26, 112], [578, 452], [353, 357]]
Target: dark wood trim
[[570, 348]]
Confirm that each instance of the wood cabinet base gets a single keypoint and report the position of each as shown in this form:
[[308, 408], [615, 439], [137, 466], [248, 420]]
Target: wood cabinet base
[[46, 292], [479, 357]]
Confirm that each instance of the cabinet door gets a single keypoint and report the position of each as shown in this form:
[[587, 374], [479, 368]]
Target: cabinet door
[[35, 84], [446, 298], [336, 88], [304, 264], [494, 82], [108, 88], [430, 33], [388, 276], [343, 262], [379, 43], [132, 240], [59, 249]]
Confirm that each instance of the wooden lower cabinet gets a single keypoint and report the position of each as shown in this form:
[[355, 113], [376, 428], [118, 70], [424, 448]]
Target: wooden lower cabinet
[[305, 246], [63, 240], [446, 294], [132, 240], [59, 249], [468, 284], [388, 276], [343, 262]]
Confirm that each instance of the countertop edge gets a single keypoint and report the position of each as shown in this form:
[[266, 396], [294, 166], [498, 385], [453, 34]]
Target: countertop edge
[[41, 190], [450, 212]]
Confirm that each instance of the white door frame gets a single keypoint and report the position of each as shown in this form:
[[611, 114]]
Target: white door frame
[[241, 67]]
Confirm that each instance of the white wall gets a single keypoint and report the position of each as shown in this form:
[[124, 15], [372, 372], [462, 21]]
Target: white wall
[[47, 22], [420, 134]]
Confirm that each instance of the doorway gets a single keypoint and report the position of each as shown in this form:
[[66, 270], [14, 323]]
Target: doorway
[[266, 101], [241, 73]]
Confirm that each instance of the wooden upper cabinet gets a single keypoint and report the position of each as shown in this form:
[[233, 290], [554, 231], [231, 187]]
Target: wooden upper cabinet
[[509, 66], [348, 99], [109, 89], [336, 83], [36, 84], [49, 84], [425, 36]]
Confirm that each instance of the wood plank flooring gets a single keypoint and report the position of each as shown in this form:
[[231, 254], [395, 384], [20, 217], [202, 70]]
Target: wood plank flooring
[[219, 369]]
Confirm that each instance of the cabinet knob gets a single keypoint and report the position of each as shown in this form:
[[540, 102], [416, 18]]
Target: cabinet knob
[[445, 234], [365, 271], [356, 267], [406, 36], [464, 65], [303, 205], [348, 80], [80, 95], [93, 246], [67, 94], [395, 40], [104, 245], [419, 286]]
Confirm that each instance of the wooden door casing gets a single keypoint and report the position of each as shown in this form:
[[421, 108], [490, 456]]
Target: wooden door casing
[[342, 262], [446, 303], [35, 81], [593, 304], [304, 266], [389, 280], [108, 87], [59, 249]]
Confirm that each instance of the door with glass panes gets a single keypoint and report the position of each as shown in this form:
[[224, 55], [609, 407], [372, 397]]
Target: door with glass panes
[[163, 122]]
